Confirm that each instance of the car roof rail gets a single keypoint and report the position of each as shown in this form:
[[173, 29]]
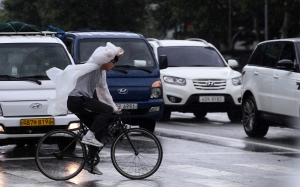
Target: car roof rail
[[29, 33], [198, 39], [154, 39]]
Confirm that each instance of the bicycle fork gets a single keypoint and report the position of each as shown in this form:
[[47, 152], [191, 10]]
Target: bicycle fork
[[129, 140]]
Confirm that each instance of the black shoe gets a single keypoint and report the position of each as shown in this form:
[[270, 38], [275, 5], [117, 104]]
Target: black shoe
[[96, 170]]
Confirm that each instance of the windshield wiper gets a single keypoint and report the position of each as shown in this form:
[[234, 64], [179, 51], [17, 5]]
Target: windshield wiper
[[129, 66], [20, 78], [37, 76], [120, 70]]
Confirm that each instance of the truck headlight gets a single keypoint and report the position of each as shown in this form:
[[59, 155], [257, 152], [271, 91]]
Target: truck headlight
[[236, 81], [156, 90], [175, 80]]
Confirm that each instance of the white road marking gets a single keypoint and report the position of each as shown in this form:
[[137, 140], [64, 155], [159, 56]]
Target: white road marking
[[29, 174], [31, 185], [227, 139], [200, 170], [274, 168], [223, 153], [122, 183], [216, 182]]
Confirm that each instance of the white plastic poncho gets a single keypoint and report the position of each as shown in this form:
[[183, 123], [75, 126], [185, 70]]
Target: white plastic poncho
[[65, 80]]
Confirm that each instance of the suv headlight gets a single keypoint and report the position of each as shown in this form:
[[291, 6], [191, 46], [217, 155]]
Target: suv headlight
[[156, 90], [237, 81], [175, 80]]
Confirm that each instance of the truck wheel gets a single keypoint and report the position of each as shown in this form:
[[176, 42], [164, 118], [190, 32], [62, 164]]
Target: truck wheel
[[235, 115], [148, 125], [253, 125], [166, 115], [199, 114]]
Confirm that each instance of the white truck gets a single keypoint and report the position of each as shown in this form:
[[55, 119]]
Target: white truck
[[25, 87]]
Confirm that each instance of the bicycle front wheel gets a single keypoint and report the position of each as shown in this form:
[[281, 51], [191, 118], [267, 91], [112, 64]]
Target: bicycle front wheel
[[60, 155], [138, 165]]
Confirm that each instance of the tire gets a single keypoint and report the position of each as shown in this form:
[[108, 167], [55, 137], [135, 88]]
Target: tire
[[54, 163], [252, 123], [200, 114], [166, 115], [235, 115], [148, 124], [133, 166]]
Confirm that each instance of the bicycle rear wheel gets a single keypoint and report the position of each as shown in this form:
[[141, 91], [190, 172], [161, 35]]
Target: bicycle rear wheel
[[60, 155], [141, 165]]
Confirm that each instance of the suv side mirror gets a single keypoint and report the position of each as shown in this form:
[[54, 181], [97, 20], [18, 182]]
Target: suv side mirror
[[163, 61], [232, 63], [285, 64]]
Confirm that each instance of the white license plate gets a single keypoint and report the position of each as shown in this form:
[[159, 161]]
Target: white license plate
[[127, 106], [212, 99]]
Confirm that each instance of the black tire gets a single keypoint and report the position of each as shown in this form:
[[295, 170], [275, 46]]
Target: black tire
[[148, 124], [199, 114], [166, 115], [253, 125], [133, 166], [58, 164], [235, 115]]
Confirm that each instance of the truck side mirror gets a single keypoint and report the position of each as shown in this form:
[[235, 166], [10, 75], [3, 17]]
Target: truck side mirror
[[163, 61]]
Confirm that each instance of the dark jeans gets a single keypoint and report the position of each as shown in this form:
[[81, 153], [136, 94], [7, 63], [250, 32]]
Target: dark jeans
[[93, 113]]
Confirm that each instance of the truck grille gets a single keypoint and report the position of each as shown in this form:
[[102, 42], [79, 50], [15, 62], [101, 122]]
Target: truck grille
[[209, 84]]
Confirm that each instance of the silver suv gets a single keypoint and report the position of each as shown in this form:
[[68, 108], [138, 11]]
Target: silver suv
[[271, 87]]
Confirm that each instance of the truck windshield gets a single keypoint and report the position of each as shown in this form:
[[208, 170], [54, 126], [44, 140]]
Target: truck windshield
[[31, 60], [136, 52], [190, 56]]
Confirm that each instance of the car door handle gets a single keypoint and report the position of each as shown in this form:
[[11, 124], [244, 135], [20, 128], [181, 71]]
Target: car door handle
[[275, 76], [256, 73]]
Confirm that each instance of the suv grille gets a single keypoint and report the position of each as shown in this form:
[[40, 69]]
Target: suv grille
[[209, 84]]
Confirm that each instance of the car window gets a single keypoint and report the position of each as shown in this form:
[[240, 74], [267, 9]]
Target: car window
[[288, 52], [257, 55], [22, 59], [180, 56], [271, 55]]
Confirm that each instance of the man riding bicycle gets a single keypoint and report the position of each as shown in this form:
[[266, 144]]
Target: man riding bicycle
[[75, 86]]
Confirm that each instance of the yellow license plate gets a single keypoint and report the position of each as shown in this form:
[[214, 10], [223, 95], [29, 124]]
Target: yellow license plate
[[37, 122]]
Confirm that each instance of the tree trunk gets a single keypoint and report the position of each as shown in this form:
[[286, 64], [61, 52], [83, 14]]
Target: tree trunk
[[256, 29], [285, 25]]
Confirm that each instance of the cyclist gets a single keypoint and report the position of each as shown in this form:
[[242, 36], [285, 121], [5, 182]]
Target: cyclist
[[75, 86]]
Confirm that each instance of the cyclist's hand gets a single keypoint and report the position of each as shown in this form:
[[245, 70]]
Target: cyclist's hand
[[118, 111]]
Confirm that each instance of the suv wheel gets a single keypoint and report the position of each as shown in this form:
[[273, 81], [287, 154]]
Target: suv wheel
[[166, 115], [235, 115], [253, 125], [199, 114], [148, 125]]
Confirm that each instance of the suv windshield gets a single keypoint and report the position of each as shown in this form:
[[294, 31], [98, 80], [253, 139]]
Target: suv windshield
[[191, 56], [31, 60], [136, 52]]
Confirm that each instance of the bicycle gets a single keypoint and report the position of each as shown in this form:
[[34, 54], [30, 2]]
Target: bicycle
[[136, 153]]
